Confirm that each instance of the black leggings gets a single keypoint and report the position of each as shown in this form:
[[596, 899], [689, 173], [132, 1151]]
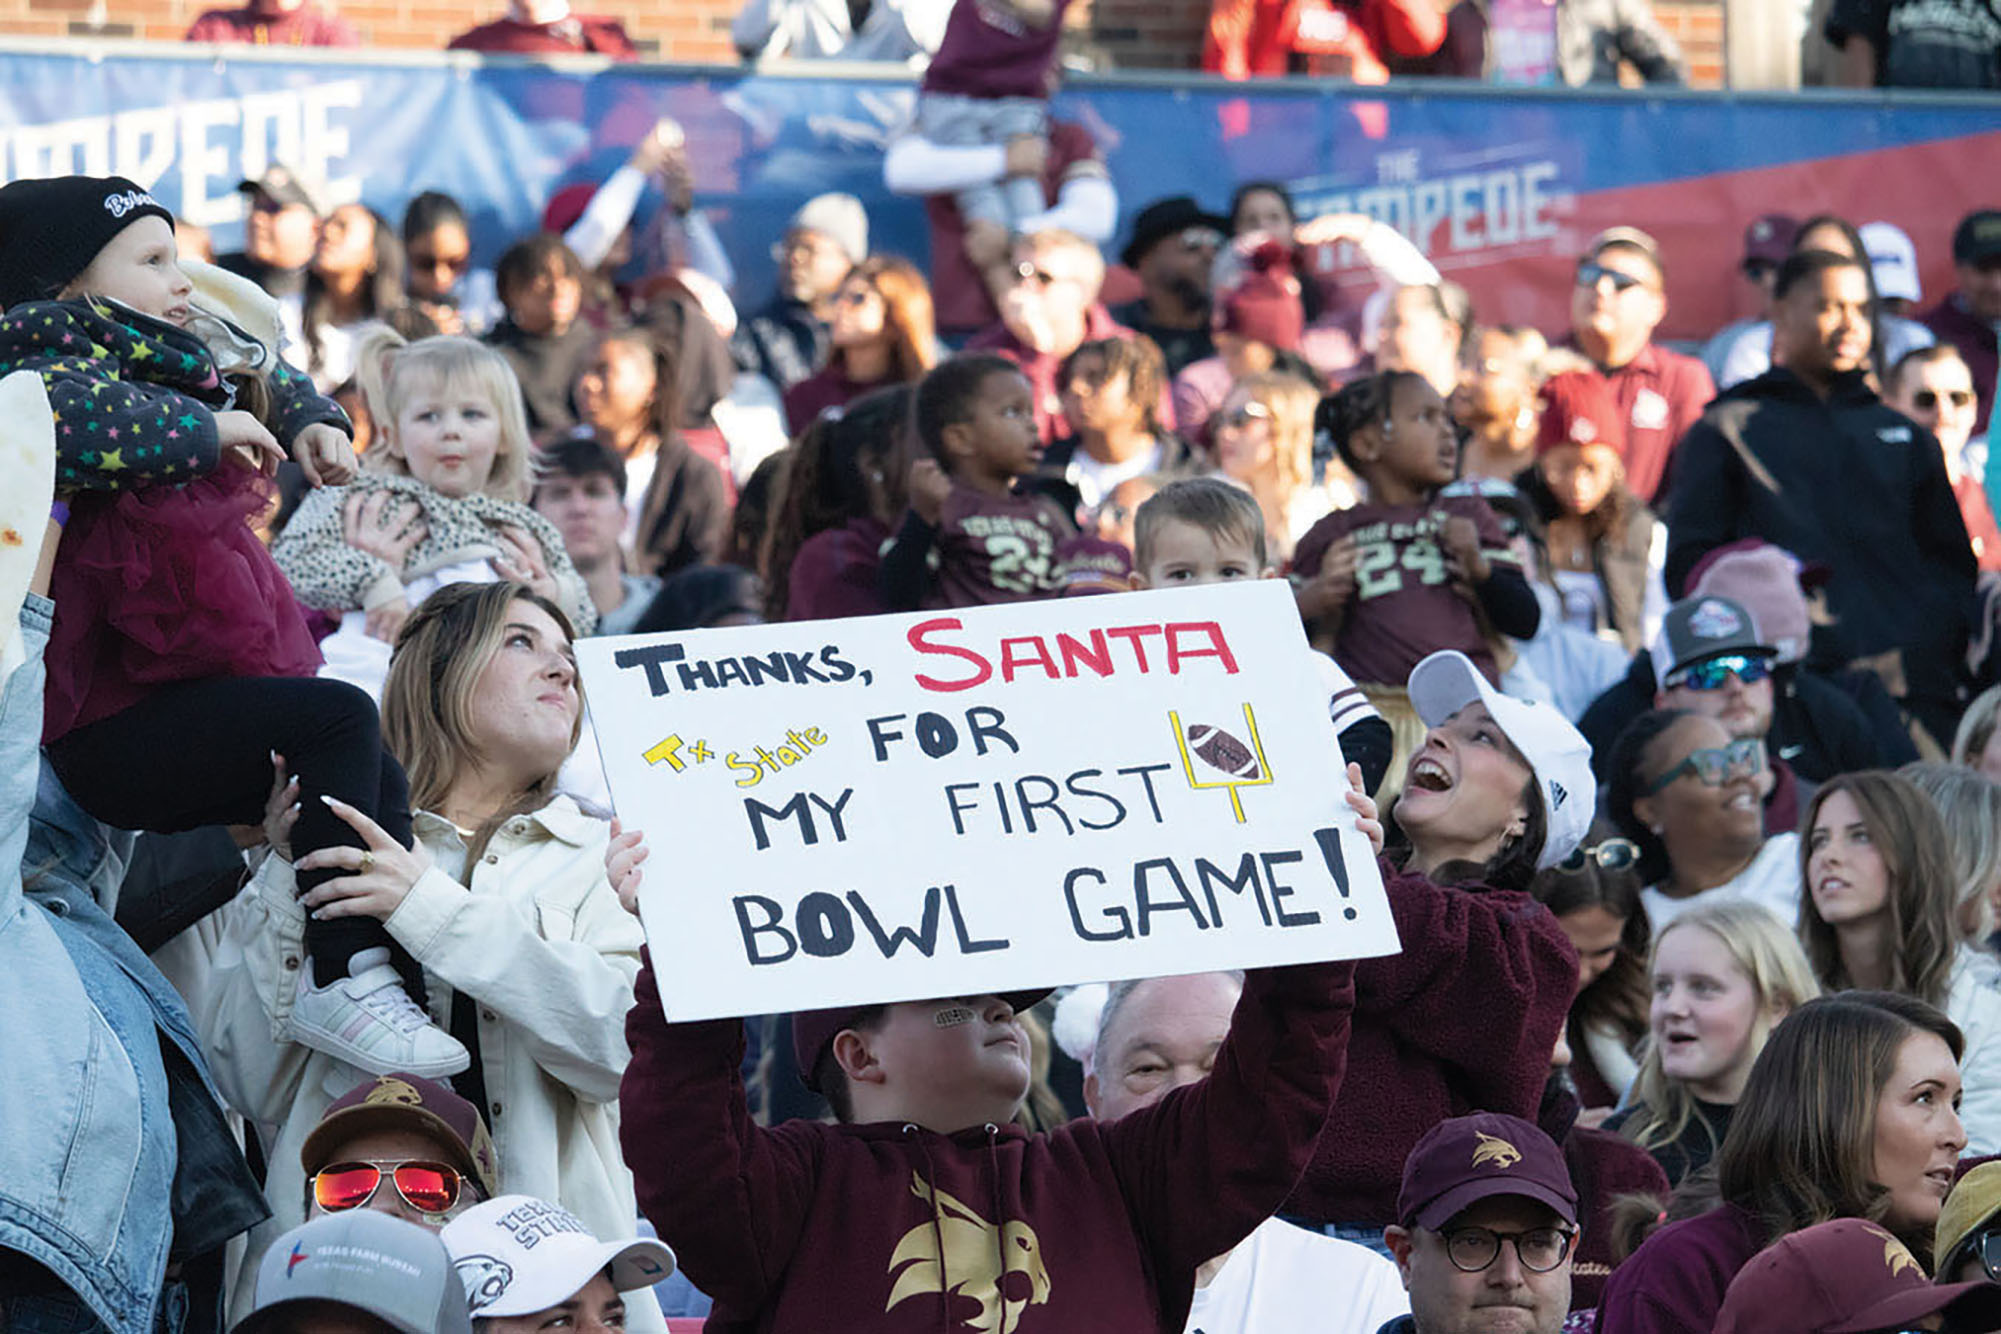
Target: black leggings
[[198, 753]]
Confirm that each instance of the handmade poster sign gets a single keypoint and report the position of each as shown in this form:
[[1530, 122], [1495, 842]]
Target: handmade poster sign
[[956, 803]]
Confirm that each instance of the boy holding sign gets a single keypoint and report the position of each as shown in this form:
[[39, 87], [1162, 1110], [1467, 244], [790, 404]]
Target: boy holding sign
[[927, 1208]]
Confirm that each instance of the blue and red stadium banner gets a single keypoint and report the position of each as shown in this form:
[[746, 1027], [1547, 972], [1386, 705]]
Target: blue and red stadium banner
[[1499, 187]]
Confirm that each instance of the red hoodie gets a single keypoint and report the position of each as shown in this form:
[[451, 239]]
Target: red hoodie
[[1463, 1020], [1094, 1226]]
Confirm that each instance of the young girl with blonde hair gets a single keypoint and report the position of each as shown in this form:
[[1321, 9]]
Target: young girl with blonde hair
[[1264, 443], [442, 499], [1723, 975]]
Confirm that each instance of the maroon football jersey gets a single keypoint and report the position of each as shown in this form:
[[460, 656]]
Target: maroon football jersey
[[993, 549], [1405, 605]]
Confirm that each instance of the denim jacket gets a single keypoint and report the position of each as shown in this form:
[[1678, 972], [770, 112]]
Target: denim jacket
[[115, 1156]]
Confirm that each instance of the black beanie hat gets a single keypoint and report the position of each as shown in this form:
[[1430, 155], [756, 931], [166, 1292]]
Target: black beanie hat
[[52, 228]]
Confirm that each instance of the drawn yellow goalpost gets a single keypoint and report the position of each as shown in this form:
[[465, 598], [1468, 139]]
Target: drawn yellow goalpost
[[1263, 779]]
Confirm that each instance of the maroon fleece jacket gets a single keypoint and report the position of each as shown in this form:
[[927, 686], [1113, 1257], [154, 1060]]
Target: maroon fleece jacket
[[890, 1228], [1464, 1019]]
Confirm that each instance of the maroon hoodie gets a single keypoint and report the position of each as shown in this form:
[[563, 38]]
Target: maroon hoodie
[[1463, 1020], [1094, 1226]]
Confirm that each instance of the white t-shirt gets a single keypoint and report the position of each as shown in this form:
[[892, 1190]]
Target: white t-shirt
[[1286, 1278], [1095, 481], [1772, 880]]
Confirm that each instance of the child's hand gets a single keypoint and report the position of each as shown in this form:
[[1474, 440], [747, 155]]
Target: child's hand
[[523, 560], [1027, 155], [386, 621], [1460, 538], [1368, 820], [281, 808], [622, 857], [246, 444], [1330, 589], [384, 525], [324, 454], [929, 487]]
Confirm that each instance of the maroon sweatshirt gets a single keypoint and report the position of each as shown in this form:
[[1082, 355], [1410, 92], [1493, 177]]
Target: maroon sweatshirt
[[1463, 1020], [889, 1228], [1675, 1282]]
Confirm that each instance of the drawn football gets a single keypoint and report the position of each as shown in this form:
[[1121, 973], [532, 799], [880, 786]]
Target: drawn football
[[1222, 752]]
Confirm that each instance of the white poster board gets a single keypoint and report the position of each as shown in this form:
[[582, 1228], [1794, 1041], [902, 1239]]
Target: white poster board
[[962, 802]]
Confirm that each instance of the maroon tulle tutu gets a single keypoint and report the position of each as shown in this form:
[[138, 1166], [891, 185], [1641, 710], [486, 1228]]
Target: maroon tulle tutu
[[166, 584]]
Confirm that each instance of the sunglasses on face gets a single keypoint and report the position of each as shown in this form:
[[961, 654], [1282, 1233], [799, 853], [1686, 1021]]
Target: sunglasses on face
[[431, 1188], [1614, 854], [1244, 416], [1716, 673], [1201, 238], [1591, 274], [1928, 399], [1717, 765], [1757, 270]]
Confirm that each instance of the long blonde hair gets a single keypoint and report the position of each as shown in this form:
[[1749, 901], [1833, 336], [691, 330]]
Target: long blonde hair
[[1770, 955], [1291, 402], [390, 370], [427, 699]]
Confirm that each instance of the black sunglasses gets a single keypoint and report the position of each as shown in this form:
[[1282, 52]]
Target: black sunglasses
[[1590, 274], [1929, 398], [1614, 854]]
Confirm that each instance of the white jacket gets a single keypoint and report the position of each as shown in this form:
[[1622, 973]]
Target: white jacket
[[539, 940], [1973, 1001]]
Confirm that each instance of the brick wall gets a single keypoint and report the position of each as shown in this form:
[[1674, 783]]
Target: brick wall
[[1128, 34]]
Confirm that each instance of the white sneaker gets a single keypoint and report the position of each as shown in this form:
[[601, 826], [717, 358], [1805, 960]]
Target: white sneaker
[[368, 1020]]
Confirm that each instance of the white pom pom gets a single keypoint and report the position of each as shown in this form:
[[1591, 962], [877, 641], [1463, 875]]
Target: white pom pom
[[1076, 1025]]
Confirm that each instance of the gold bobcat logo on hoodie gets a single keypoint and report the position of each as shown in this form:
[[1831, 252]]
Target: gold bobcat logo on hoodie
[[958, 1253]]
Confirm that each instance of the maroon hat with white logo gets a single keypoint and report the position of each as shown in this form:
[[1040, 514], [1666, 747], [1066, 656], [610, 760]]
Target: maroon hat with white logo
[[1845, 1277], [1469, 1158]]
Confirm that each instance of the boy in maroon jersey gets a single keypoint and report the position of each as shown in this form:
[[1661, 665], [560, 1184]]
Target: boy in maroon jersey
[[969, 538]]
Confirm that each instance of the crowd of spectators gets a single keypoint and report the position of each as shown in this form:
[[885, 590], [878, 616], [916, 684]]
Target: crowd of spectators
[[1858, 43], [1665, 682]]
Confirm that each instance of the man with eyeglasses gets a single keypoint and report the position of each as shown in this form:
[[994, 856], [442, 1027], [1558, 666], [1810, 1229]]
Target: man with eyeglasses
[[1173, 251], [1970, 316], [1618, 300], [400, 1145], [1710, 659], [1487, 1221], [281, 232], [1933, 386], [1807, 457], [787, 339]]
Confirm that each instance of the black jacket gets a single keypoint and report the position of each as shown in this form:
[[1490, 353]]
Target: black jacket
[[547, 365], [1851, 484]]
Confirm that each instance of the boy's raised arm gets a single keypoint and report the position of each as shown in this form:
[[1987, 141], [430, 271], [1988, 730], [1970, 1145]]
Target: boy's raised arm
[[728, 1195], [1209, 1162]]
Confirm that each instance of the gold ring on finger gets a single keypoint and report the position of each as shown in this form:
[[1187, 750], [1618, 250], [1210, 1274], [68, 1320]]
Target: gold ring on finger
[[367, 862]]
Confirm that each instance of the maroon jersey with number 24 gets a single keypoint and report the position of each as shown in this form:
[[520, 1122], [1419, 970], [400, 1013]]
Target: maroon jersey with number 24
[[1405, 604]]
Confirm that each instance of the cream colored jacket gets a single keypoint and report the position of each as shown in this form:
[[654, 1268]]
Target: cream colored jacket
[[539, 940]]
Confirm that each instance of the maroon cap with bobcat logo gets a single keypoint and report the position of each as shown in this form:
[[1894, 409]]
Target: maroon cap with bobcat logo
[[1469, 1158]]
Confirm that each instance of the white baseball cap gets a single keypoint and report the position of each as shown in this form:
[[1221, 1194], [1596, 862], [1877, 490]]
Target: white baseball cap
[[1558, 754], [1893, 261], [518, 1255]]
